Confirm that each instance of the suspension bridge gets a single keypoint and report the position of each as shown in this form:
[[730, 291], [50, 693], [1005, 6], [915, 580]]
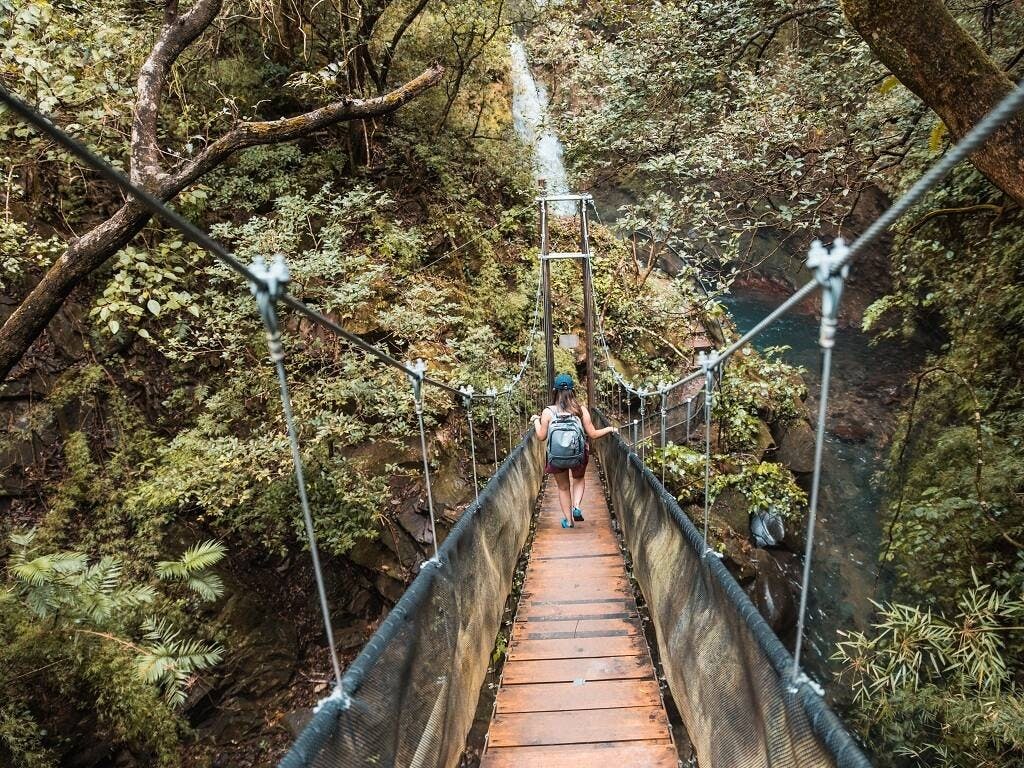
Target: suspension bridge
[[578, 682]]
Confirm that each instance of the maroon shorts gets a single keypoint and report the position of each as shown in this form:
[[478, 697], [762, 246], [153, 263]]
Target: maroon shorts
[[577, 472]]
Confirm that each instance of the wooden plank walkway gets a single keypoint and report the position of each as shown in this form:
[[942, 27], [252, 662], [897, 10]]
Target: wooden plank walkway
[[578, 684]]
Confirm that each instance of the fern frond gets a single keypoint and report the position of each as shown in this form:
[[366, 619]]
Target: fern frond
[[205, 554], [24, 540], [207, 585]]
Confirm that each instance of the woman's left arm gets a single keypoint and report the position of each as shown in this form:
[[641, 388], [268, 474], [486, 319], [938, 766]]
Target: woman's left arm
[[593, 432]]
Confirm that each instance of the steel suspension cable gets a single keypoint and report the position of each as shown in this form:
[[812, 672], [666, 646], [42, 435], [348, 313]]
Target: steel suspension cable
[[267, 287], [467, 401]]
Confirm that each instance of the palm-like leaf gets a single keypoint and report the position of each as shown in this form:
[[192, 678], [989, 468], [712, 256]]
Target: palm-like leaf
[[191, 569], [171, 662]]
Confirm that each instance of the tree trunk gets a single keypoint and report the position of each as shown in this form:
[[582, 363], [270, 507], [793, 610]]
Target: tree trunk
[[932, 55], [83, 256]]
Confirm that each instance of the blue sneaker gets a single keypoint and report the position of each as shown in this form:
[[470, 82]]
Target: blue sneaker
[[566, 523], [577, 514]]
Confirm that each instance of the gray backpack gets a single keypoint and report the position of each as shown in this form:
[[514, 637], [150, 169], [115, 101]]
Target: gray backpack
[[566, 441]]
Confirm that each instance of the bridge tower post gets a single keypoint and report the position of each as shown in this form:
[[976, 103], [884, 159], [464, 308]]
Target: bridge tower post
[[588, 298], [581, 203], [545, 279]]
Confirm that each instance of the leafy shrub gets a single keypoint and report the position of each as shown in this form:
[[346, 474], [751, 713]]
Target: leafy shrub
[[941, 691], [766, 486], [683, 470]]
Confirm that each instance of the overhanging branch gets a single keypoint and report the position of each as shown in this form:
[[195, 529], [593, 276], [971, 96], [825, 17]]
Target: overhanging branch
[[254, 134]]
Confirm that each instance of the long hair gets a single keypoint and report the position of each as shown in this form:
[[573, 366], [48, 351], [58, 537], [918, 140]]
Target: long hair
[[566, 402]]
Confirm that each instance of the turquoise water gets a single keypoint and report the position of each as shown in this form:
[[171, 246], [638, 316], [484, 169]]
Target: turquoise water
[[866, 380]]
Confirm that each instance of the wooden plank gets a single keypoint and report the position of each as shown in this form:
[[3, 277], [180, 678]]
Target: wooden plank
[[565, 552], [585, 726], [658, 753], [578, 686], [576, 648], [605, 562], [610, 585], [563, 697], [574, 610], [569, 670], [549, 630], [579, 579]]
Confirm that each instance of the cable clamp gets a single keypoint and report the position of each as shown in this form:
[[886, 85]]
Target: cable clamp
[[467, 395], [831, 269], [273, 281], [338, 694], [434, 561], [715, 552], [418, 371], [803, 679], [708, 361]]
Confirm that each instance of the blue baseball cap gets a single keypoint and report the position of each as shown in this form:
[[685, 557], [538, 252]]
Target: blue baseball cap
[[564, 381]]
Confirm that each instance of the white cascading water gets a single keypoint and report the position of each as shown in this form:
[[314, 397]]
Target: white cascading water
[[529, 115]]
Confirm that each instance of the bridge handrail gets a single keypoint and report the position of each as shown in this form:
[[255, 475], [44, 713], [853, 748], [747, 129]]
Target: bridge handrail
[[316, 732], [823, 720]]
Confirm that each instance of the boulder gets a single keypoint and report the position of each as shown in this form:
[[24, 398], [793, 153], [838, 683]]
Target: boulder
[[731, 509], [851, 431], [765, 441], [371, 554], [796, 447], [767, 528]]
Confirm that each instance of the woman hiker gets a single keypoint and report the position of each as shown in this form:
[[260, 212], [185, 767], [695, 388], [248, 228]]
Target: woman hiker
[[566, 425]]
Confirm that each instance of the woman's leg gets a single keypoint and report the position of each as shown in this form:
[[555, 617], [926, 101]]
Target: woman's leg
[[579, 485], [564, 494]]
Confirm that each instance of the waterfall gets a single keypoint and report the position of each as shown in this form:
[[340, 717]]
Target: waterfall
[[529, 116]]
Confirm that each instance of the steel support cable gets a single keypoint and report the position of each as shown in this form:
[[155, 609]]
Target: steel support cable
[[831, 268], [267, 287], [707, 363], [416, 379], [467, 402], [193, 233], [664, 429], [493, 394]]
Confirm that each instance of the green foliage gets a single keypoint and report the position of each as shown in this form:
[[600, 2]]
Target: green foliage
[[756, 388], [683, 470], [767, 486], [942, 691], [192, 569], [91, 636], [170, 661]]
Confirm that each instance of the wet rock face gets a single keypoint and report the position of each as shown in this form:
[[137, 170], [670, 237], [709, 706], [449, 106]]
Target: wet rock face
[[771, 589], [732, 509]]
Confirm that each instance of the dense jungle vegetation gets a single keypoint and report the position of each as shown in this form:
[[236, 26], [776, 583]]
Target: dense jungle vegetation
[[158, 607], [156, 604]]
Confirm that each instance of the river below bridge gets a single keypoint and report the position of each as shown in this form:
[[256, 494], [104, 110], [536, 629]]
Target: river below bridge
[[866, 383]]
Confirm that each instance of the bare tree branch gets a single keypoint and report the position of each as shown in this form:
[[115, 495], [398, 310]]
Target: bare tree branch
[[389, 51], [288, 128], [177, 34], [86, 254]]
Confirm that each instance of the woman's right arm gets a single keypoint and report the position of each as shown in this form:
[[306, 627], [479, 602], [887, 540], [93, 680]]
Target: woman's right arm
[[593, 432], [540, 424]]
